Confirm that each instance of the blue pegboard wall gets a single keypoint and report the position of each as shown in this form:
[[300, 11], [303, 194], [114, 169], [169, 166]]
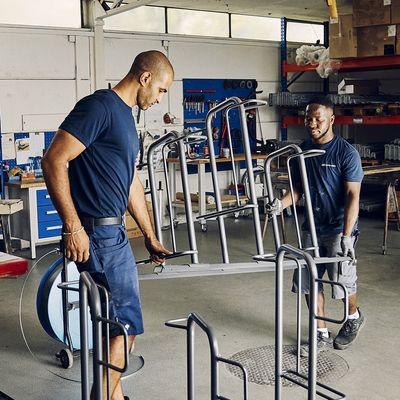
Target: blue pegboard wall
[[200, 95], [48, 137]]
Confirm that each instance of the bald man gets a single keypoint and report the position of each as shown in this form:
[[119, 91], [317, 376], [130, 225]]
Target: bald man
[[90, 173]]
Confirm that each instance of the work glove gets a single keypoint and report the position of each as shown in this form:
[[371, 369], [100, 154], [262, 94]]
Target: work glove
[[275, 207], [347, 246]]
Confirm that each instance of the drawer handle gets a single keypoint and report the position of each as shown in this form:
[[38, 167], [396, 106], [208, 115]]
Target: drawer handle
[[51, 212], [47, 196], [53, 228]]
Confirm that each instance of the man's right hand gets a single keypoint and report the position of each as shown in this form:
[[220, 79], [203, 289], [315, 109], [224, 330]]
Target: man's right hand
[[77, 246], [275, 207]]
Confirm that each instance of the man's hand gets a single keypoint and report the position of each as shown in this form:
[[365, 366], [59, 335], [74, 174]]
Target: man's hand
[[77, 246], [156, 249], [347, 246], [275, 207]]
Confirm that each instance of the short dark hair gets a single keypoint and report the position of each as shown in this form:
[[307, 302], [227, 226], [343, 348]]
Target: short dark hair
[[152, 61], [322, 101]]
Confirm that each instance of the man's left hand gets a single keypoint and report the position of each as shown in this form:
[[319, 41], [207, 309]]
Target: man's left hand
[[157, 251], [347, 245]]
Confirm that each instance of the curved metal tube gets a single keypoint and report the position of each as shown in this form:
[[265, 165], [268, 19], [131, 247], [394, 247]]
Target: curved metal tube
[[306, 154], [268, 183], [214, 173], [189, 323], [170, 138]]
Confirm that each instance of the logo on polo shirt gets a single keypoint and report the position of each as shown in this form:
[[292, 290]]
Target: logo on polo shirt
[[328, 165]]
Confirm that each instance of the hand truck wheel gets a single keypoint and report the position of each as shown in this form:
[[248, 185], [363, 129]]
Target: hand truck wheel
[[66, 358]]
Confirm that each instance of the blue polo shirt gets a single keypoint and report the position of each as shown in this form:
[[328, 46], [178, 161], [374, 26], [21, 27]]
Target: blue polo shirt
[[326, 177], [101, 176]]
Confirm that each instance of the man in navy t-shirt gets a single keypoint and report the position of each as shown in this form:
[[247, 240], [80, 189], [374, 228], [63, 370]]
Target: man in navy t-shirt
[[335, 183], [90, 173]]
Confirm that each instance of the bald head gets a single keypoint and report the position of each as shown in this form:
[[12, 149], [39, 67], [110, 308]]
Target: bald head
[[151, 61]]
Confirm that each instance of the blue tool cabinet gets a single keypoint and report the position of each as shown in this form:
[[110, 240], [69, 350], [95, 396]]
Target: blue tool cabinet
[[38, 222]]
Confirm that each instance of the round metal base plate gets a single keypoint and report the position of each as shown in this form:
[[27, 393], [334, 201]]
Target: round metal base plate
[[260, 365]]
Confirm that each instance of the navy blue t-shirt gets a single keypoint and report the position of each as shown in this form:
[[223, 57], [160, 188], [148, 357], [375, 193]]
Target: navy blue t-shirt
[[101, 176], [326, 177]]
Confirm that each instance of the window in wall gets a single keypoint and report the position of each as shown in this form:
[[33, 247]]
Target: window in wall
[[141, 19], [66, 14], [249, 27], [203, 23], [305, 33]]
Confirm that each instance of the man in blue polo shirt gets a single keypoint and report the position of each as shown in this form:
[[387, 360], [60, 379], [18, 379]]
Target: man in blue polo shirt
[[90, 173], [335, 183]]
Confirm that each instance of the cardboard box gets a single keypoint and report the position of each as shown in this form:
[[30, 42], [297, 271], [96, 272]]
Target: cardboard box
[[398, 40], [395, 12], [363, 87], [8, 207], [131, 227], [342, 38], [371, 12], [376, 41]]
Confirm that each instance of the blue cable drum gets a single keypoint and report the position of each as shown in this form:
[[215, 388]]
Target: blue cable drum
[[50, 308]]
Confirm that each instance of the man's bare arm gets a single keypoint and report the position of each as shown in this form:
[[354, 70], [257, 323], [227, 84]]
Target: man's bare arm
[[137, 207], [63, 149]]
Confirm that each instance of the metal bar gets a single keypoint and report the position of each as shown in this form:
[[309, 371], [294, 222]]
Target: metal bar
[[95, 312], [252, 103], [152, 180], [228, 132], [226, 212], [215, 358], [188, 202], [214, 173], [270, 191], [169, 200], [306, 154], [84, 352]]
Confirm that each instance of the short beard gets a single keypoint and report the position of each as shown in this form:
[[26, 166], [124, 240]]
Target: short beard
[[321, 136]]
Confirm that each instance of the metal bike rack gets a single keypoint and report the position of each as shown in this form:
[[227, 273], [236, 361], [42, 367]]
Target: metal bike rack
[[188, 324], [169, 139], [226, 106], [293, 151], [311, 379], [89, 295]]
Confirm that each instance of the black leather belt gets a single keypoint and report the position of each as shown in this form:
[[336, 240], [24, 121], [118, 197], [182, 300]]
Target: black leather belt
[[90, 223]]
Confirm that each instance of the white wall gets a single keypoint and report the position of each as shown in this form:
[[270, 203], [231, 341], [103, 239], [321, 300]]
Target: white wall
[[44, 72]]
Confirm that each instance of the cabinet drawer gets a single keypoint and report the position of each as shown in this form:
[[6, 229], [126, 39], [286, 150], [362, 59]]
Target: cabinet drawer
[[43, 197], [49, 229], [48, 213]]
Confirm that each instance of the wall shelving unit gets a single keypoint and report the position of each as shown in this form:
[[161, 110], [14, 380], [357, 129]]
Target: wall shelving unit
[[345, 65]]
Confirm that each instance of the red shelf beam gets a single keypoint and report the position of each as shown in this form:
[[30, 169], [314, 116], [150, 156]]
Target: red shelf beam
[[347, 120], [356, 64]]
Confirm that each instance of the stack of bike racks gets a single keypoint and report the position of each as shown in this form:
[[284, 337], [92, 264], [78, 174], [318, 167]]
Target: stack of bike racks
[[170, 139], [302, 257], [252, 204], [285, 257]]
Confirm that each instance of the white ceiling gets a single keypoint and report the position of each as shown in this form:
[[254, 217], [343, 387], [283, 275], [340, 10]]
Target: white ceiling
[[313, 10]]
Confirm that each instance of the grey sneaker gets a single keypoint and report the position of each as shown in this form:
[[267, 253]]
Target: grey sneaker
[[323, 344], [348, 332]]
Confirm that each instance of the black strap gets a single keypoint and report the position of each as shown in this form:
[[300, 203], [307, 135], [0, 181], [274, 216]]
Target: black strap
[[89, 222]]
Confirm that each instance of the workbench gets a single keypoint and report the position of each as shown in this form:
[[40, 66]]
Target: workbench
[[386, 176], [38, 222], [201, 164]]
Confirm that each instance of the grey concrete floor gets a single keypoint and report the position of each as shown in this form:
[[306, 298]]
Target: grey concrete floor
[[240, 308]]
